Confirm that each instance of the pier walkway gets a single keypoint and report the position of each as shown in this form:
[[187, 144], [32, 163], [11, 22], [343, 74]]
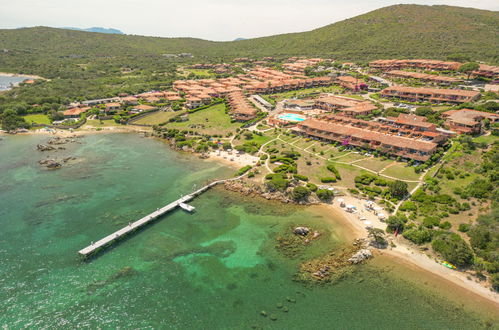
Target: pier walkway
[[108, 240]]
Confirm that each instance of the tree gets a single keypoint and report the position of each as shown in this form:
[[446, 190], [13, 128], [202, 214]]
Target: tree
[[11, 121], [378, 237], [453, 248], [398, 189], [469, 68], [396, 223], [324, 194], [300, 193]]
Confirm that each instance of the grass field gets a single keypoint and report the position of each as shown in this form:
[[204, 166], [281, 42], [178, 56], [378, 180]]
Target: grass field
[[489, 139], [291, 94], [212, 120], [37, 119], [157, 118], [402, 171], [205, 73], [375, 164]]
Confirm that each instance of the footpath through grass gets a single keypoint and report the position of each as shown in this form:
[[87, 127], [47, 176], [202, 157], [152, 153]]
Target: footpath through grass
[[212, 121]]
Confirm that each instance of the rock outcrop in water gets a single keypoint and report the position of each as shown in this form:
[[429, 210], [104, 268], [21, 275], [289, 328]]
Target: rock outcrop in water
[[44, 147], [361, 256]]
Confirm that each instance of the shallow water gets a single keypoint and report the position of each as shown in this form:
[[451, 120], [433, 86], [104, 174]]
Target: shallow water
[[214, 269]]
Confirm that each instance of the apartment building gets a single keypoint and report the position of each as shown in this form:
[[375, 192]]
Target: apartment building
[[433, 95]]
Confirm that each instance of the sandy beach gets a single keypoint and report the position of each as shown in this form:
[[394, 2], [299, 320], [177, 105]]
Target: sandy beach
[[406, 252], [233, 158]]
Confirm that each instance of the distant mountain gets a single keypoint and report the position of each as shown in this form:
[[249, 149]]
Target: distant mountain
[[96, 29], [400, 31], [239, 39]]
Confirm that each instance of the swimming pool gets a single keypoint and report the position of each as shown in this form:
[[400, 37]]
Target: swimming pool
[[291, 117]]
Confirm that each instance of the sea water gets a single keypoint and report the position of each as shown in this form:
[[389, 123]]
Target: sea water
[[217, 268]]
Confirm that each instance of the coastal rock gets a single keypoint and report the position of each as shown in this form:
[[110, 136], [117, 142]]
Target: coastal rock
[[360, 256], [50, 163], [302, 231], [43, 147]]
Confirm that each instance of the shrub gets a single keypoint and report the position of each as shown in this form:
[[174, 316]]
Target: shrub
[[328, 179], [300, 193], [324, 194], [431, 222], [445, 225], [333, 169], [418, 236], [312, 187], [243, 170], [408, 206], [453, 248], [300, 177], [464, 227]]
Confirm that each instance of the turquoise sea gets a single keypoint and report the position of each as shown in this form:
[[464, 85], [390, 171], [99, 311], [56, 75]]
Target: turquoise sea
[[217, 268]]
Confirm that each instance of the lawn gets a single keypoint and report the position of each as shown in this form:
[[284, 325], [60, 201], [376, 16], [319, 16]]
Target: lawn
[[489, 139], [212, 121], [375, 164], [157, 118], [353, 96], [351, 157], [37, 119], [205, 73], [255, 138], [303, 92], [402, 171]]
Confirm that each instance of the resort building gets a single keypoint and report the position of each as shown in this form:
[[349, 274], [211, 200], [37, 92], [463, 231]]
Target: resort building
[[386, 65], [395, 141], [443, 80], [142, 108], [113, 106], [468, 121], [300, 104], [100, 101], [351, 83], [130, 100], [418, 124], [433, 95], [193, 102], [348, 106], [487, 71], [75, 112], [240, 109]]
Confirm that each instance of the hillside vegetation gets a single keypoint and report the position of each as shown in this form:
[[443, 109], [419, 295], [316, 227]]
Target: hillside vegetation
[[396, 31]]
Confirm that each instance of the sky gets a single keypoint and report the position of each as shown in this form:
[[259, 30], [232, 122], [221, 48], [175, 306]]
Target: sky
[[213, 20]]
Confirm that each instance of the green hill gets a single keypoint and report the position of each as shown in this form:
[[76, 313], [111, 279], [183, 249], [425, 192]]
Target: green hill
[[403, 31]]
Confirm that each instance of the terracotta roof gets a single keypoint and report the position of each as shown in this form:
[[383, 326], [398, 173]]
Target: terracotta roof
[[360, 133], [469, 116], [143, 107], [413, 120], [423, 90], [423, 76], [75, 111]]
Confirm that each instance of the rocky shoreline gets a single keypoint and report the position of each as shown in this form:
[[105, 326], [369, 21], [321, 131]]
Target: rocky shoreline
[[251, 188], [55, 144]]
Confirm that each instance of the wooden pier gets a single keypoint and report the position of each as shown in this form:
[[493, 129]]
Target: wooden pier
[[108, 240]]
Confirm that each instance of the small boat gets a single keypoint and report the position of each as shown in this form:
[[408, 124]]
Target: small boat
[[448, 265]]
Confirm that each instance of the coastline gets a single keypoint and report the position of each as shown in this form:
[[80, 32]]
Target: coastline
[[351, 225], [28, 76], [411, 256]]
